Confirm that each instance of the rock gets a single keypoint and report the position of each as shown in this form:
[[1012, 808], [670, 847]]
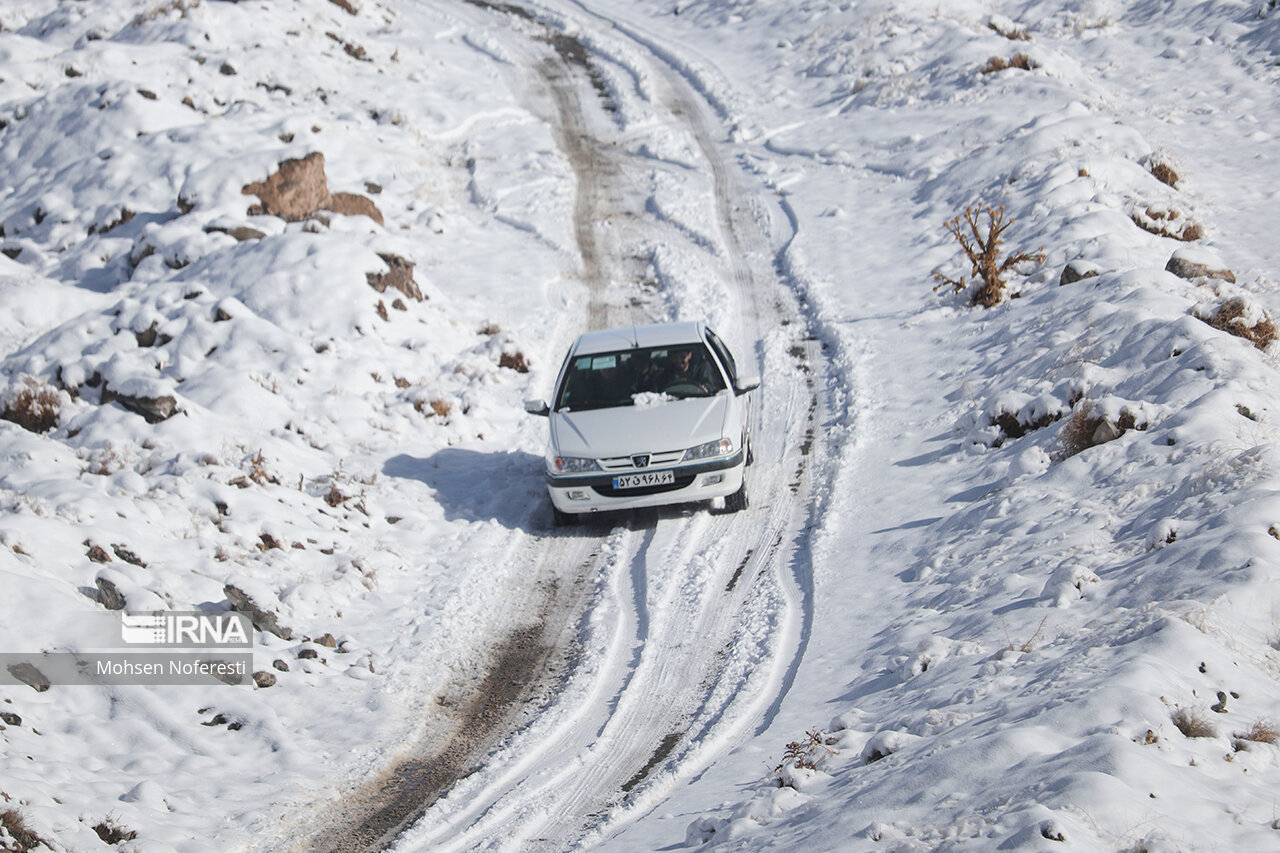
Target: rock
[[262, 678], [97, 553], [351, 204], [128, 556], [153, 409], [10, 719], [299, 188], [227, 676], [240, 232], [399, 276], [1106, 431], [1192, 264], [109, 594], [263, 620], [327, 641], [280, 665], [29, 675], [308, 654], [1078, 270], [294, 192]]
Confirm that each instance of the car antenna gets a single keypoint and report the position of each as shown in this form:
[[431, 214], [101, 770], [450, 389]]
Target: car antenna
[[635, 341]]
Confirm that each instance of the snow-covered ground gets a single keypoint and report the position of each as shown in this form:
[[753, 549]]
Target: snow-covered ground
[[1008, 577]]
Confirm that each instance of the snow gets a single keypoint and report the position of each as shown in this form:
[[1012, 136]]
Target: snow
[[995, 559]]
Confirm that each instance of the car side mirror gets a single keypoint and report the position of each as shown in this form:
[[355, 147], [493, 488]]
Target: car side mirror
[[746, 383], [537, 407]]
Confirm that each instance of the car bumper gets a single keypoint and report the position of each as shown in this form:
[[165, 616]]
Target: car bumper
[[699, 482]]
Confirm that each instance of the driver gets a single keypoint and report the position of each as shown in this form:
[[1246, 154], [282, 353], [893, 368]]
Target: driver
[[684, 369]]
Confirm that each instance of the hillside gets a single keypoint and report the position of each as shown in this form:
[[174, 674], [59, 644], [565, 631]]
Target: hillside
[[277, 276]]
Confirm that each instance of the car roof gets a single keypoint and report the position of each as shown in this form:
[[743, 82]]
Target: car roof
[[659, 335]]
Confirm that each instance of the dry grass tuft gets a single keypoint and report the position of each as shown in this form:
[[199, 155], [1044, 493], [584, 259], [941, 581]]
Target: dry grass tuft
[[21, 838], [35, 406], [1263, 731], [438, 407], [1012, 33], [1192, 724], [1232, 317], [112, 833], [1087, 428], [983, 252], [998, 63], [1164, 173], [1167, 223]]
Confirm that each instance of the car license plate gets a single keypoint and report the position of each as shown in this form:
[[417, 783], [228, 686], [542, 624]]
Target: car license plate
[[648, 478]]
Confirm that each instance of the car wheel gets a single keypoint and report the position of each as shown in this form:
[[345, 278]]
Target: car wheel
[[737, 501], [564, 519]]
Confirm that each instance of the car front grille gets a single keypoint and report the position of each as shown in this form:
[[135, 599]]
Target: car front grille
[[622, 464]]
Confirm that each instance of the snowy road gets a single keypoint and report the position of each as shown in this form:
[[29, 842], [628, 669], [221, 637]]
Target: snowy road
[[662, 640]]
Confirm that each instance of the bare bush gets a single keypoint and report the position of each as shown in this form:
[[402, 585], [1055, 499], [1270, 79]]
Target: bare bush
[[807, 754], [983, 252], [34, 406]]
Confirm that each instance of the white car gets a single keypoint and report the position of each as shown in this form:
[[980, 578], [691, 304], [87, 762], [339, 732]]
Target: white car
[[646, 416]]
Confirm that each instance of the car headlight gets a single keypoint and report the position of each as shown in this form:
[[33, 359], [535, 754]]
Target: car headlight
[[573, 465], [711, 450]]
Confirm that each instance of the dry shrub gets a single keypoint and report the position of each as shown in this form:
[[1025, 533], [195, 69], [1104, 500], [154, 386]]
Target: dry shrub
[[21, 838], [983, 252], [514, 361], [112, 833], [1192, 724], [807, 754], [1019, 60], [1011, 427], [1232, 317], [35, 406], [438, 407], [1087, 428]]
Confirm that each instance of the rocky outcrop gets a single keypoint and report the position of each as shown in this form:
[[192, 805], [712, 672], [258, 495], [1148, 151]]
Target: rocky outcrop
[[399, 276], [262, 619], [299, 188]]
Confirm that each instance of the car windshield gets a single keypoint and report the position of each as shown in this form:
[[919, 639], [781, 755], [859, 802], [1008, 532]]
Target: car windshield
[[608, 379]]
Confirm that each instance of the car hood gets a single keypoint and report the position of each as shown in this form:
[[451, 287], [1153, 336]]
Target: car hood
[[622, 431]]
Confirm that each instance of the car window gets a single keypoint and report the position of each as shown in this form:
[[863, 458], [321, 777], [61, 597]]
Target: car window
[[609, 379], [726, 357]]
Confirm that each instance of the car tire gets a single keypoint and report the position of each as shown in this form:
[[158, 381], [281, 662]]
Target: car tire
[[737, 501], [564, 519]]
